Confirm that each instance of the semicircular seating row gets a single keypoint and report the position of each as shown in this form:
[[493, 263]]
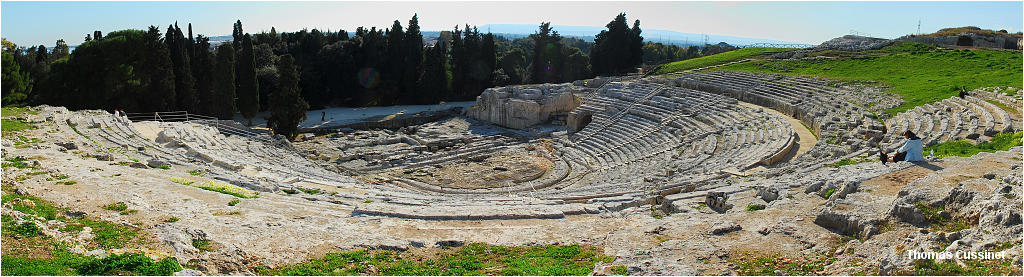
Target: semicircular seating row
[[972, 117]]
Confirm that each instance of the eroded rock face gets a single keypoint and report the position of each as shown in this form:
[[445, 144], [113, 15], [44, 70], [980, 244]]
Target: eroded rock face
[[519, 107]]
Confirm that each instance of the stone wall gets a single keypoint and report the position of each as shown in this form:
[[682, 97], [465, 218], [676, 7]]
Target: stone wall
[[519, 107]]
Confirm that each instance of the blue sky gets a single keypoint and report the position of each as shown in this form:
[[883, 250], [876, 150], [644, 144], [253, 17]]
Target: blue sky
[[34, 23]]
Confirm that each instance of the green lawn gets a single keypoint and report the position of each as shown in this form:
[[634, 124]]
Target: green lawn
[[963, 148], [722, 58], [919, 73]]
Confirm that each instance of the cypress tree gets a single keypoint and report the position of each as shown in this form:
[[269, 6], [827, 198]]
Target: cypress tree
[[160, 90], [434, 79], [248, 88], [489, 58], [287, 109], [202, 70], [458, 62], [413, 67], [224, 82], [396, 61], [184, 84], [636, 46], [236, 35]]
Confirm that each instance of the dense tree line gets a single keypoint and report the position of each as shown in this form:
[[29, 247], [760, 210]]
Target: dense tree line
[[145, 71], [656, 53]]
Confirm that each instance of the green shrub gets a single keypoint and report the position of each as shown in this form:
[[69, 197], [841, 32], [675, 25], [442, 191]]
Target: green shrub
[[202, 244], [472, 259], [16, 162], [119, 206], [755, 207], [27, 229], [234, 202], [618, 269], [129, 264]]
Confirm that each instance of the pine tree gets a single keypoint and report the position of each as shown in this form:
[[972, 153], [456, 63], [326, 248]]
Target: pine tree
[[248, 88], [16, 86], [547, 44], [42, 57], [60, 51], [618, 49], [287, 109], [224, 82]]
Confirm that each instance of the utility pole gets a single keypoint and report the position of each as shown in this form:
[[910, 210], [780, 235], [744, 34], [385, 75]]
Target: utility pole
[[918, 26]]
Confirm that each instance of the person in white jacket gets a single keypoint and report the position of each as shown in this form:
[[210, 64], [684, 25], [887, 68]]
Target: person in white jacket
[[912, 150]]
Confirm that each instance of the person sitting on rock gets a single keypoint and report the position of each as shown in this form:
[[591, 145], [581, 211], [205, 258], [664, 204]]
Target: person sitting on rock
[[912, 150]]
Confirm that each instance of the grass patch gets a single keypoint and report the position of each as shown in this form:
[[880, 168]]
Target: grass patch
[[202, 244], [310, 191], [42, 255], [1003, 106], [849, 161], [217, 187], [618, 269], [171, 219], [964, 148], [197, 173], [16, 162], [119, 206], [234, 202], [721, 58], [755, 207], [181, 181], [289, 191], [828, 194], [67, 183], [229, 190], [928, 267], [920, 77], [163, 166], [759, 265], [938, 220], [11, 127], [472, 259], [30, 205], [9, 111]]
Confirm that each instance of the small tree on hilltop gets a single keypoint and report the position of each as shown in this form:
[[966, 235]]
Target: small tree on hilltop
[[287, 109]]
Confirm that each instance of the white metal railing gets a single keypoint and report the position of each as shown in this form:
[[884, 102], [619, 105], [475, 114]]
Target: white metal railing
[[180, 116]]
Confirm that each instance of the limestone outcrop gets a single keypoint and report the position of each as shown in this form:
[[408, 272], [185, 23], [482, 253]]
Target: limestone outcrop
[[519, 107]]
